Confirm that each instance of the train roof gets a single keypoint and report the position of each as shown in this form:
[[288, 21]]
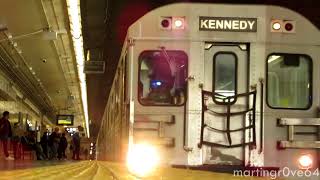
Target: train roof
[[148, 26]]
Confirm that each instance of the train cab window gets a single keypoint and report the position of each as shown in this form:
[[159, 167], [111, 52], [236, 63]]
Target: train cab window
[[289, 81], [162, 77], [225, 76]]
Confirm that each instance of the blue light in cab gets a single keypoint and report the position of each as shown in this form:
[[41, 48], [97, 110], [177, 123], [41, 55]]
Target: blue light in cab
[[155, 84]]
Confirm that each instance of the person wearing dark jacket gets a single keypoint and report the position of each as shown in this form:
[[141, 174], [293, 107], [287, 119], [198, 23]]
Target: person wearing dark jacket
[[5, 134], [29, 143], [44, 144], [54, 143], [76, 146], [63, 144], [17, 133]]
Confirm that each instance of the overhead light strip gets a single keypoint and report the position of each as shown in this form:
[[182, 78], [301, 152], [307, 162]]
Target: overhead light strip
[[76, 32]]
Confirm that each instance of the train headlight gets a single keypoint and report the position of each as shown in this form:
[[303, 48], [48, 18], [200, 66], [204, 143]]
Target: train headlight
[[305, 161], [142, 159], [283, 26], [172, 23], [276, 26], [178, 23]]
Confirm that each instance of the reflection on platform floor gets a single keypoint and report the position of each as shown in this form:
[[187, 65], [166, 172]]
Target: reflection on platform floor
[[28, 164], [97, 170]]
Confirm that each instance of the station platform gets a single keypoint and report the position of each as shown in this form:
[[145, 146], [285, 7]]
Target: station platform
[[99, 170]]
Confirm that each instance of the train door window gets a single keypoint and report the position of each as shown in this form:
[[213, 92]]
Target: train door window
[[162, 77], [225, 76], [289, 81]]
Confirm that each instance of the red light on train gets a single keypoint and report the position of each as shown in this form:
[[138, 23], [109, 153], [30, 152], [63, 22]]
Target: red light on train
[[165, 23], [283, 26], [172, 23], [288, 27]]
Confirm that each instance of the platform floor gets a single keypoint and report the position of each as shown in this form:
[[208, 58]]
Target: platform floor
[[98, 170]]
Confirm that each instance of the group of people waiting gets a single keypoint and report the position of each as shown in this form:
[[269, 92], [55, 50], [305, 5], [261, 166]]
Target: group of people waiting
[[55, 145], [51, 146]]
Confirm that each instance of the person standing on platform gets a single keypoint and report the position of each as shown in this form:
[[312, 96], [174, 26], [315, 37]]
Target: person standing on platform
[[29, 142], [44, 144], [54, 143], [5, 134], [69, 141], [76, 146], [17, 133], [86, 153], [63, 144]]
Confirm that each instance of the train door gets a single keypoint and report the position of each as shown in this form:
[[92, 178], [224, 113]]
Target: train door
[[227, 127]]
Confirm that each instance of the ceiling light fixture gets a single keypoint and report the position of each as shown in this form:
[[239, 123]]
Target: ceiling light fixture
[[75, 25]]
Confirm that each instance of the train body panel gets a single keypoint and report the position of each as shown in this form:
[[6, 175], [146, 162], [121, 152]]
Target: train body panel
[[217, 84]]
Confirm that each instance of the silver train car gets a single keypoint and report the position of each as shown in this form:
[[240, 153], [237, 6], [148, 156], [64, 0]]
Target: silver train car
[[219, 85]]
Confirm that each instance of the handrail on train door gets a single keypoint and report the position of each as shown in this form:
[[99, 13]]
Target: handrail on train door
[[261, 115]]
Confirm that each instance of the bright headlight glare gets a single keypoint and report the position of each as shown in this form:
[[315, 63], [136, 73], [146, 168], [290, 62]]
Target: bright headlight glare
[[276, 25], [178, 23], [142, 159], [305, 161]]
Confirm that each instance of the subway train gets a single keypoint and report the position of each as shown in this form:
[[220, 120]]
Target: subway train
[[216, 85]]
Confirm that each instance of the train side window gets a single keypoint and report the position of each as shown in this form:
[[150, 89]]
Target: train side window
[[224, 76], [289, 81], [162, 77]]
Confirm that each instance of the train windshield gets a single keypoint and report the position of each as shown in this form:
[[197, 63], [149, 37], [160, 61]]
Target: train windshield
[[289, 81], [162, 77]]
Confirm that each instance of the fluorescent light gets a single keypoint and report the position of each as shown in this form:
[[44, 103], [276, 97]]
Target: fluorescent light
[[75, 25]]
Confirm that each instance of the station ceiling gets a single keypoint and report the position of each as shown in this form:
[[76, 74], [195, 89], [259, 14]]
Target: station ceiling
[[42, 67]]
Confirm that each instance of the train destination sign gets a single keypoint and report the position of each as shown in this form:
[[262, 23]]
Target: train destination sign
[[234, 24]]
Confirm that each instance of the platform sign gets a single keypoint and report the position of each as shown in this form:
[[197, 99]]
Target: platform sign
[[233, 24], [94, 67], [65, 120]]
